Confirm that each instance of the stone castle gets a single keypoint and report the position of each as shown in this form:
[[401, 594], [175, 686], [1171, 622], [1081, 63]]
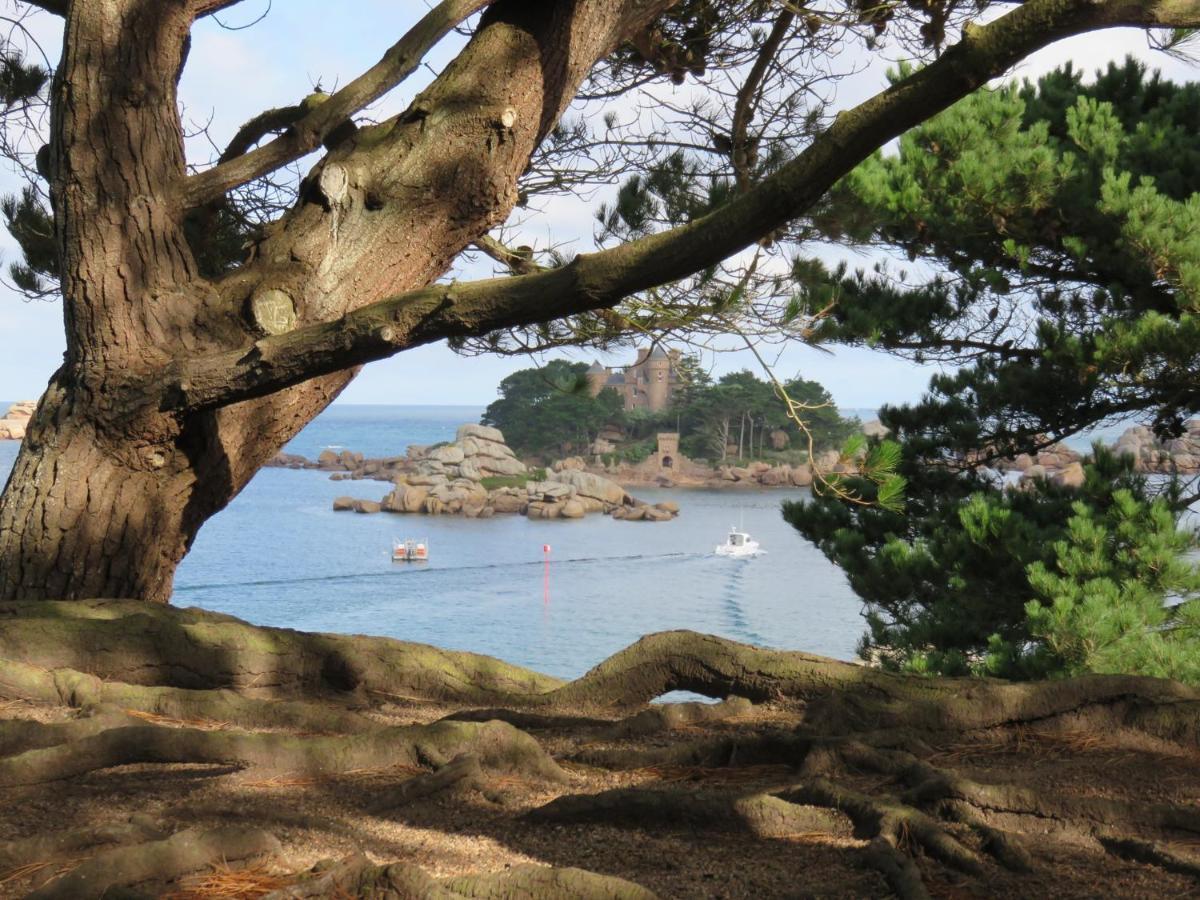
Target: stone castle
[[647, 384]]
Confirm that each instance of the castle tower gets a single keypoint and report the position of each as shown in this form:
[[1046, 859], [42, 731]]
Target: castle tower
[[597, 376], [657, 370]]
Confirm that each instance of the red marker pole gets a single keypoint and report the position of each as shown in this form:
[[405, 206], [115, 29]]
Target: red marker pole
[[546, 574]]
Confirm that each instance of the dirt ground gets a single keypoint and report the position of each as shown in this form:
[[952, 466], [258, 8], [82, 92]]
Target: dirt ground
[[487, 828], [775, 797]]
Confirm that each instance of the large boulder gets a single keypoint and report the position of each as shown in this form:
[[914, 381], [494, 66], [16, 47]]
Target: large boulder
[[780, 475], [490, 465], [571, 462], [780, 439], [468, 468], [875, 429], [343, 504], [572, 509], [477, 448], [12, 429], [1072, 475], [549, 490], [22, 409], [538, 509], [406, 498], [802, 476], [483, 432], [427, 480], [327, 459], [588, 485], [504, 502], [367, 506], [448, 454]]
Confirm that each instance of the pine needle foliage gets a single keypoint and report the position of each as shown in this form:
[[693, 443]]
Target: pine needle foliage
[[1058, 220]]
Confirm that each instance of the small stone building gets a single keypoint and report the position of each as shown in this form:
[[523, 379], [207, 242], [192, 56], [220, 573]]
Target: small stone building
[[668, 450]]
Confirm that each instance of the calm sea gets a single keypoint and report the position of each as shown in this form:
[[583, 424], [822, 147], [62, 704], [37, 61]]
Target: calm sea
[[279, 555]]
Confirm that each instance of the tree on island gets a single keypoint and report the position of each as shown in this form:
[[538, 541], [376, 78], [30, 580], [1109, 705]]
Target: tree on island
[[184, 373], [741, 410], [1062, 218], [550, 410]]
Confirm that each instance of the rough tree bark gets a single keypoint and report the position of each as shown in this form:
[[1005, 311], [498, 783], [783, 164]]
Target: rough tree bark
[[176, 389]]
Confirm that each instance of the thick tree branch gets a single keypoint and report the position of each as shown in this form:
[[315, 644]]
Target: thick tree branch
[[743, 111], [58, 7], [307, 134], [599, 280], [202, 7], [518, 260]]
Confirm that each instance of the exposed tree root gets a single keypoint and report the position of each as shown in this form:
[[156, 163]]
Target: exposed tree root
[[660, 717], [853, 765], [68, 844], [461, 773], [540, 881], [897, 868], [897, 824], [187, 851], [1150, 852], [498, 746], [357, 876], [147, 644], [760, 814], [1089, 814], [20, 735], [77, 689], [857, 697]]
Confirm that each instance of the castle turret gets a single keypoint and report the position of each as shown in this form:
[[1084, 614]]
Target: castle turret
[[658, 380], [597, 376]]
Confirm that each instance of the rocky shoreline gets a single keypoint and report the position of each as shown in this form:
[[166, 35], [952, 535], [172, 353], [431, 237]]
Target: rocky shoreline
[[478, 476], [457, 478], [15, 421]]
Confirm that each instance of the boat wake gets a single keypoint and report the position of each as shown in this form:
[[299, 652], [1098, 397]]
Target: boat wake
[[432, 570]]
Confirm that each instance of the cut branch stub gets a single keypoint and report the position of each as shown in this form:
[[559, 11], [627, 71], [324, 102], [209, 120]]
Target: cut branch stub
[[334, 184], [273, 311]]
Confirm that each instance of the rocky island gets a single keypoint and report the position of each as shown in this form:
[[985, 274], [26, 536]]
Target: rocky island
[[477, 475]]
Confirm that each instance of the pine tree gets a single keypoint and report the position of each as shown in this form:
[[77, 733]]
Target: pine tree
[[1060, 219]]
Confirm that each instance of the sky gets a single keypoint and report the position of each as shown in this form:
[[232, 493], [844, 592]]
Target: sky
[[233, 74]]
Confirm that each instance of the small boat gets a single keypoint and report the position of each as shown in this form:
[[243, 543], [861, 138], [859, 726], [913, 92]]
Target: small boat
[[410, 551], [739, 544]]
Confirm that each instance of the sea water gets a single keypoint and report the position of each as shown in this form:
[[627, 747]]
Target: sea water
[[279, 555]]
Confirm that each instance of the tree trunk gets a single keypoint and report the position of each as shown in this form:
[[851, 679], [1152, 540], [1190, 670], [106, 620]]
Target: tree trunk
[[109, 490]]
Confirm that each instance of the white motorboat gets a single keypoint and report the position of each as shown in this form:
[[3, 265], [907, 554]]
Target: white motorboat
[[410, 551], [739, 544]]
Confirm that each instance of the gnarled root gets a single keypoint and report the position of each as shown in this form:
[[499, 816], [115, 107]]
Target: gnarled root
[[187, 851], [760, 814], [499, 747], [926, 772], [462, 773], [357, 876], [150, 645]]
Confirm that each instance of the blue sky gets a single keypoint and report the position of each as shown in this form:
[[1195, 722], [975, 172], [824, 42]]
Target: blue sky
[[232, 75]]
